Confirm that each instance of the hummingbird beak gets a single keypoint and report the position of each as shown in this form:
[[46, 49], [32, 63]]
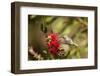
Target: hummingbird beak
[[75, 44], [72, 43]]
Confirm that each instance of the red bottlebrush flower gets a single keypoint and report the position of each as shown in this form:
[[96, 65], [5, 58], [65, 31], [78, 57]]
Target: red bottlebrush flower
[[53, 43]]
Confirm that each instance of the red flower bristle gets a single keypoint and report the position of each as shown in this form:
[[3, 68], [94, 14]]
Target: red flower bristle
[[53, 44]]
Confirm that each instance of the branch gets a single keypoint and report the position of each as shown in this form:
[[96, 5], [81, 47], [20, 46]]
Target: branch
[[35, 55], [81, 21]]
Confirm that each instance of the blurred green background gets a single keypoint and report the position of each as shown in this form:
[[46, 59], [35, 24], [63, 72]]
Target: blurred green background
[[74, 27]]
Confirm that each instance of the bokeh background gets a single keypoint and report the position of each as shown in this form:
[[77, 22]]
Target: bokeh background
[[75, 28]]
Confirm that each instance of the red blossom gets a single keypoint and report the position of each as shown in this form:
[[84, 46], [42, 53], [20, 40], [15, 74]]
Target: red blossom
[[53, 44]]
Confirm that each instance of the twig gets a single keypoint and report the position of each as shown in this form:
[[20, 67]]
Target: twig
[[81, 21], [35, 55]]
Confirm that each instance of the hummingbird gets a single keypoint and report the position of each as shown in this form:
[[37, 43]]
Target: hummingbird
[[67, 40]]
